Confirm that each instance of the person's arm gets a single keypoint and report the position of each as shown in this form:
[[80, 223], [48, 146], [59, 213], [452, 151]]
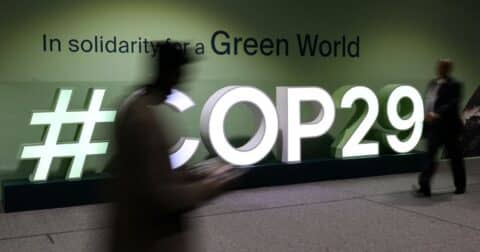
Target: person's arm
[[430, 116], [170, 193], [174, 194], [183, 174]]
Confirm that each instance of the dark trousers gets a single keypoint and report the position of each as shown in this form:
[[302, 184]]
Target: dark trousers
[[438, 137]]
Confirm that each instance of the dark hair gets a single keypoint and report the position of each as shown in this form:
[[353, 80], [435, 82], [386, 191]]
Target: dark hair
[[170, 55]]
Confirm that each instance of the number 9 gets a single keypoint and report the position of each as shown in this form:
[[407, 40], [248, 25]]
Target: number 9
[[391, 97]]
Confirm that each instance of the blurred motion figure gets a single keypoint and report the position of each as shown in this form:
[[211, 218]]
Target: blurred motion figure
[[443, 127], [471, 132], [150, 197]]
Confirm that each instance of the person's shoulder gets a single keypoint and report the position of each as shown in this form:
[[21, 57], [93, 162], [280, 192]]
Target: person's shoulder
[[453, 80], [134, 107], [433, 81], [455, 83]]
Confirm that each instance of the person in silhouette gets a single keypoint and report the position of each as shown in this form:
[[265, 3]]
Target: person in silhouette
[[443, 127], [150, 197]]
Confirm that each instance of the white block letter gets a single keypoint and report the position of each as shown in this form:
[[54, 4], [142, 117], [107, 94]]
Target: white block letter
[[289, 101], [212, 124]]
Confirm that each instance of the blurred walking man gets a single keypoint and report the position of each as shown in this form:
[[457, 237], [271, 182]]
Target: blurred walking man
[[151, 198], [443, 127]]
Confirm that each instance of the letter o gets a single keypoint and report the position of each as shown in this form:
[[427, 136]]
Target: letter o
[[89, 43], [212, 124]]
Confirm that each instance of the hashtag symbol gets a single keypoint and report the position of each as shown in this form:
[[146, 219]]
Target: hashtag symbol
[[79, 150]]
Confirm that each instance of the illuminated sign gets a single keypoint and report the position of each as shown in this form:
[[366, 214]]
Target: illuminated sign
[[213, 117], [275, 122], [79, 150], [286, 120]]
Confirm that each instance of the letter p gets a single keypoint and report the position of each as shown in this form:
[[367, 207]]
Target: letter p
[[289, 101]]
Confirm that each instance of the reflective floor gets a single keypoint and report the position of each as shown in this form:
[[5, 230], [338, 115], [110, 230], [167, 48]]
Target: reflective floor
[[367, 214]]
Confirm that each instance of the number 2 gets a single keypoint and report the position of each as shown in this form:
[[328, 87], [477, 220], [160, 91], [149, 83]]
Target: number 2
[[350, 143]]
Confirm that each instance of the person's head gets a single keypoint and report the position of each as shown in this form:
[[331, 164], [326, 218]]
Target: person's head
[[444, 67], [168, 67]]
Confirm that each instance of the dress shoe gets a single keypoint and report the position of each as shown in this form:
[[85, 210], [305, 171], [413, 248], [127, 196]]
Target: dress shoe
[[422, 193]]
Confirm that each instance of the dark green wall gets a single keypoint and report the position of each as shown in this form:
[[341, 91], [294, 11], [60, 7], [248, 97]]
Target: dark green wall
[[400, 42]]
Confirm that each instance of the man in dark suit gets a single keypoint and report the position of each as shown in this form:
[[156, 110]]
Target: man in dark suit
[[443, 127]]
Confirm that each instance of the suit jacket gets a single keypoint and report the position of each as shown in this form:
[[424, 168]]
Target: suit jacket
[[447, 105]]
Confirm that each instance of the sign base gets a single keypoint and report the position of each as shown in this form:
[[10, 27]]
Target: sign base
[[22, 195]]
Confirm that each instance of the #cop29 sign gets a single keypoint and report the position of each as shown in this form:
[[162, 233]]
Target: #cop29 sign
[[284, 121], [280, 123]]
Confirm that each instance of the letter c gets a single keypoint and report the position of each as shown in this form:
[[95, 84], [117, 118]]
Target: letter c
[[185, 147]]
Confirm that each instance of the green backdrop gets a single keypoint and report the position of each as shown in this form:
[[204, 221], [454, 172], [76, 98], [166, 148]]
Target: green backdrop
[[400, 43]]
